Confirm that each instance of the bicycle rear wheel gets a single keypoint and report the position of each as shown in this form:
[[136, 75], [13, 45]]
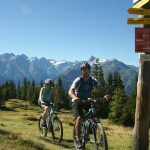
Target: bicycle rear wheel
[[57, 131], [100, 140], [42, 129]]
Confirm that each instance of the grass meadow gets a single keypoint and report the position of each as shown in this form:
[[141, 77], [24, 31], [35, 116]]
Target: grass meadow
[[19, 130]]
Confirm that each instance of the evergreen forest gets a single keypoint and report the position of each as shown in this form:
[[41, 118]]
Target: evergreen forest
[[120, 109]]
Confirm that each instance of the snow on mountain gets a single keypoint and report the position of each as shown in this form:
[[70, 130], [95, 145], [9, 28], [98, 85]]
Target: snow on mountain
[[16, 67], [32, 59]]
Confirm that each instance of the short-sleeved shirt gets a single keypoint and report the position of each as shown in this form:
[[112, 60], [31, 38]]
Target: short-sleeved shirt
[[85, 91]]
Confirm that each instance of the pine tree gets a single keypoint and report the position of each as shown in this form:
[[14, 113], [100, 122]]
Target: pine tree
[[6, 90], [24, 89], [117, 82], [30, 93], [128, 115], [62, 95], [41, 84], [109, 84], [1, 97], [101, 107], [94, 71], [36, 95], [117, 105], [101, 79], [28, 83], [33, 85], [18, 91], [12, 89]]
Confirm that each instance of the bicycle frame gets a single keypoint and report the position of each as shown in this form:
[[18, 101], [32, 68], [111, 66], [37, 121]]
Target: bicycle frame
[[50, 117], [91, 122]]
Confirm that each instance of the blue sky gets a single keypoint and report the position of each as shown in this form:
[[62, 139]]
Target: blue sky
[[68, 29]]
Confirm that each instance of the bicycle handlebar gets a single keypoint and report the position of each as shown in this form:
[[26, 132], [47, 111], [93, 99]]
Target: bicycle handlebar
[[50, 104], [90, 100]]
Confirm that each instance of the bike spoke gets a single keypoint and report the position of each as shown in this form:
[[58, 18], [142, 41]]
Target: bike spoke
[[57, 130], [42, 129]]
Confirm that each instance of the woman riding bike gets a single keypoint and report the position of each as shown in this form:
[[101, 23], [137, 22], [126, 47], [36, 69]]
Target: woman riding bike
[[44, 97]]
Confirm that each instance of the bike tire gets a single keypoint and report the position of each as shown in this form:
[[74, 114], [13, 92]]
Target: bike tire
[[82, 137], [57, 129], [101, 139], [42, 130]]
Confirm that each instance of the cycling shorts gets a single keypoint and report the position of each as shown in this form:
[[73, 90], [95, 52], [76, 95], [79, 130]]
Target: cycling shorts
[[78, 109], [39, 102]]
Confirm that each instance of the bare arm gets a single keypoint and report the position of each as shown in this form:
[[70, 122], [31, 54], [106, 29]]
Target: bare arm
[[106, 96], [57, 97], [41, 95], [71, 93]]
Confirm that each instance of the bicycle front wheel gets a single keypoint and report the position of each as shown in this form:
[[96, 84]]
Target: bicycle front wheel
[[57, 129], [82, 138], [100, 140], [42, 129]]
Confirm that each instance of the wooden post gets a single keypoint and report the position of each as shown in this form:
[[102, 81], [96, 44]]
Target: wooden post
[[141, 128]]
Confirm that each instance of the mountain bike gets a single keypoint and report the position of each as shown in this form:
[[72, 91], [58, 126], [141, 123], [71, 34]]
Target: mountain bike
[[91, 124], [53, 124]]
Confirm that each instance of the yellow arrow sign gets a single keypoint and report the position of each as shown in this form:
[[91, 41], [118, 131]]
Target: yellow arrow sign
[[138, 21], [140, 4], [139, 11]]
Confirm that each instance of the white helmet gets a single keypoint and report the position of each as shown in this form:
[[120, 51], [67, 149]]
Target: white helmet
[[48, 81]]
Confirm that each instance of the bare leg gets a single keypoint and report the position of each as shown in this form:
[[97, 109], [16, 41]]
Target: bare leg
[[46, 111], [78, 127]]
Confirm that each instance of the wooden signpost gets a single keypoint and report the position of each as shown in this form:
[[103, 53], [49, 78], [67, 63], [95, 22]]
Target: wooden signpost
[[142, 44], [135, 1], [139, 11], [138, 21], [140, 4], [142, 40]]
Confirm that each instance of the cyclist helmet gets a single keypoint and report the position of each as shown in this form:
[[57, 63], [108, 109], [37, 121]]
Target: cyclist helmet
[[48, 81], [85, 65]]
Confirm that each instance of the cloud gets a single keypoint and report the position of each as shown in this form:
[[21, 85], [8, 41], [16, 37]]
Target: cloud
[[26, 9]]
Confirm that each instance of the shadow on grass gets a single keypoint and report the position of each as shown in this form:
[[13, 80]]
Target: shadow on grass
[[21, 142], [30, 143], [67, 144], [3, 132], [7, 109]]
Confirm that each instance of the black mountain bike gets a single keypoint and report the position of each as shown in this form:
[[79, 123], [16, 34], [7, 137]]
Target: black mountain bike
[[90, 125], [53, 124]]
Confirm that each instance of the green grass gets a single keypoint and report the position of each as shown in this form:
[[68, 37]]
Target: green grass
[[19, 130]]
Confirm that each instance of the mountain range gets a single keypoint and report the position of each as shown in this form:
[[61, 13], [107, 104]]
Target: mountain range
[[16, 67]]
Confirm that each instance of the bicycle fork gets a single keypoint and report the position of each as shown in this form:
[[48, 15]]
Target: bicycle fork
[[94, 134]]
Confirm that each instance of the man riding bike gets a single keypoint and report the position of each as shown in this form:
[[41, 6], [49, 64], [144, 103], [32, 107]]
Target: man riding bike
[[77, 93]]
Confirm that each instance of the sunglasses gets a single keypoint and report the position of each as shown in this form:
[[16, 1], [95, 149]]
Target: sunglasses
[[48, 84], [86, 69]]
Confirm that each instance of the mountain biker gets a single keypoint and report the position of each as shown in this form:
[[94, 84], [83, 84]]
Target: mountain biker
[[44, 97], [84, 93]]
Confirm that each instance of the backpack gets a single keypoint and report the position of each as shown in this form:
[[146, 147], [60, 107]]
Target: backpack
[[82, 84]]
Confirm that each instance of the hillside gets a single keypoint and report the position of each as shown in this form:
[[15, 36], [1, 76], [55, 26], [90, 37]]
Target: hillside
[[19, 130]]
